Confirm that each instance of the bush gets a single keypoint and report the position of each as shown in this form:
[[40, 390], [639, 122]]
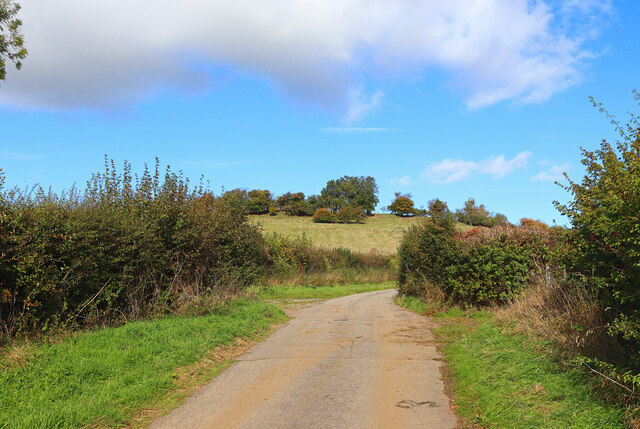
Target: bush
[[121, 249], [480, 267], [438, 209], [606, 226], [293, 204], [348, 214], [324, 216], [273, 211]]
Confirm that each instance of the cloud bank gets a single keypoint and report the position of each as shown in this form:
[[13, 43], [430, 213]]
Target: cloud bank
[[105, 53], [455, 170]]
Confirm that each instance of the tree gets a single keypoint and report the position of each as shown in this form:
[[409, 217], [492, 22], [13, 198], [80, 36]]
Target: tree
[[11, 40], [438, 209], [350, 191], [474, 215], [259, 201], [293, 204], [402, 205]]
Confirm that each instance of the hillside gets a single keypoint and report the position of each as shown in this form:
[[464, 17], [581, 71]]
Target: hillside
[[382, 232]]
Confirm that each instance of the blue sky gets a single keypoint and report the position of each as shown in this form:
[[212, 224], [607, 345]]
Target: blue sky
[[476, 98]]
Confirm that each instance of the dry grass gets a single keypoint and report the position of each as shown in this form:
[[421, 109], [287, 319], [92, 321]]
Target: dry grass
[[382, 232], [342, 277], [567, 314]]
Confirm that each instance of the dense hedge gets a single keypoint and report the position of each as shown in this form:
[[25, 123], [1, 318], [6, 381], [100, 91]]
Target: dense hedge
[[120, 249], [482, 266]]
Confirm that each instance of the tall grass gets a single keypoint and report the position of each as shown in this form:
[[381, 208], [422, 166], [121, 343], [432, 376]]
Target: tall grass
[[296, 261]]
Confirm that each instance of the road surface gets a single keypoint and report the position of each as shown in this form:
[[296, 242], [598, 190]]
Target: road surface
[[354, 362]]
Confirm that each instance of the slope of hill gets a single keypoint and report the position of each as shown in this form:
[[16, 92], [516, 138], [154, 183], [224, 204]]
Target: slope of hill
[[382, 232]]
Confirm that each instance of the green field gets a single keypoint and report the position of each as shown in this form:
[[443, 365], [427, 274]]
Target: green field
[[382, 232]]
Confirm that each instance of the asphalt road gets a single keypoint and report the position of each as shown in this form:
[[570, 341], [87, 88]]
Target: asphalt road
[[354, 362]]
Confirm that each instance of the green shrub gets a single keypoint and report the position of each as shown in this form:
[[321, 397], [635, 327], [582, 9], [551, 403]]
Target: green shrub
[[273, 211], [348, 214], [606, 227], [120, 249], [480, 267], [324, 216]]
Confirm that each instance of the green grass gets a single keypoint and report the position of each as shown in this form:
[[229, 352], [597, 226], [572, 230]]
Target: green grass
[[507, 380], [382, 232], [104, 377], [319, 292], [416, 305]]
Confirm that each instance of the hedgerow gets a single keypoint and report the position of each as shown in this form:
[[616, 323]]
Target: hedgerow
[[483, 266], [124, 247]]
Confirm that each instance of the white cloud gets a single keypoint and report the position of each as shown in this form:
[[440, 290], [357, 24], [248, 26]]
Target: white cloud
[[553, 174], [498, 167], [103, 53], [353, 130], [361, 104], [403, 181], [455, 170]]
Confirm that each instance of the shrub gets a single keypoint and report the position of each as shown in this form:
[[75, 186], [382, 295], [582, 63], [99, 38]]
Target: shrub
[[324, 216], [533, 223], [479, 267], [604, 216], [273, 211], [348, 214], [293, 204], [120, 249]]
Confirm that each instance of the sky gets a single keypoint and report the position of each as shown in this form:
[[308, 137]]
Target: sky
[[483, 99]]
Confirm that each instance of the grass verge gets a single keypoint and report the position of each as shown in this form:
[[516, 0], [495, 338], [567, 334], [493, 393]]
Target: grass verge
[[104, 378], [318, 292], [509, 380]]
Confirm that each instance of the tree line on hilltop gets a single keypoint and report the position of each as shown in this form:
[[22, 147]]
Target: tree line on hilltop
[[470, 214], [348, 199]]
